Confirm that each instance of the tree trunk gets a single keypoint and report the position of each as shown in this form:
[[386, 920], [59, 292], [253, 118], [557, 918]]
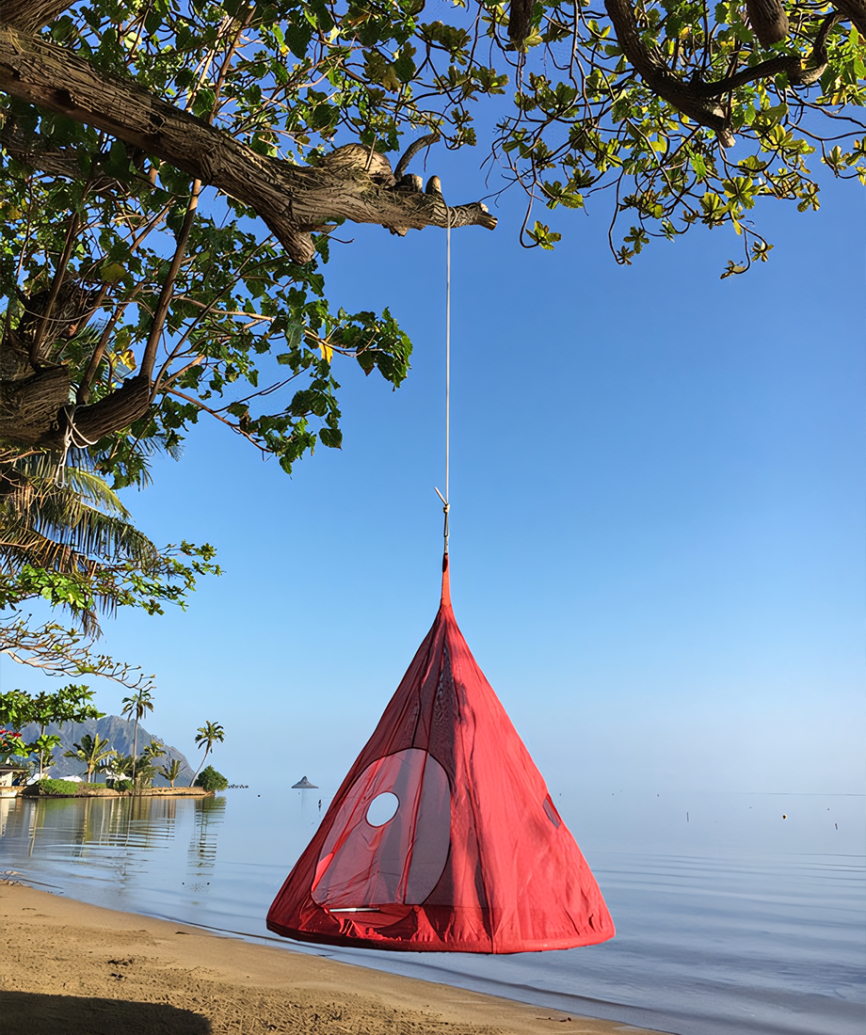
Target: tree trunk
[[201, 766], [31, 408], [30, 15]]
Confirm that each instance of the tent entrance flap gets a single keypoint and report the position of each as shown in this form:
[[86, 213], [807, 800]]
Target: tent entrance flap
[[443, 836]]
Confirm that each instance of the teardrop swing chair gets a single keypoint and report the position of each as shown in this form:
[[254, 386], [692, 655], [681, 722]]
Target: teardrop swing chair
[[443, 836]]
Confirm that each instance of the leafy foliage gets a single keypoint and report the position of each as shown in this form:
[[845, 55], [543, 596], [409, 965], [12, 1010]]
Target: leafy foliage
[[679, 111], [242, 332], [19, 709], [66, 538], [122, 266], [208, 735], [211, 780], [44, 788], [94, 752]]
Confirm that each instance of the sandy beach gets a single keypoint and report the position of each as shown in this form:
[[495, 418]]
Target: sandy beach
[[76, 967]]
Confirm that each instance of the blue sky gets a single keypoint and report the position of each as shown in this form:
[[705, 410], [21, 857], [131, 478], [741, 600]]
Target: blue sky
[[657, 514]]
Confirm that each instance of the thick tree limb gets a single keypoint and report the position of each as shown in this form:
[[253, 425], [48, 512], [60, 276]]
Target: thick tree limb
[[698, 99], [38, 411], [650, 65], [768, 19], [29, 16], [855, 12], [29, 407], [520, 21], [292, 200]]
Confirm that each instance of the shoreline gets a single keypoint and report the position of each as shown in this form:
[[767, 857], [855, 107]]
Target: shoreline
[[107, 792], [88, 969]]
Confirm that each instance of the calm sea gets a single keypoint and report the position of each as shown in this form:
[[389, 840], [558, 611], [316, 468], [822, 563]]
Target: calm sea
[[744, 913]]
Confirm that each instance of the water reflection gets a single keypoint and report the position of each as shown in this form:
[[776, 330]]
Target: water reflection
[[711, 939], [111, 843], [202, 854], [84, 823]]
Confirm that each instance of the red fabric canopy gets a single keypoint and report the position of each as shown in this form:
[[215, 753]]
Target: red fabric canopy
[[474, 859]]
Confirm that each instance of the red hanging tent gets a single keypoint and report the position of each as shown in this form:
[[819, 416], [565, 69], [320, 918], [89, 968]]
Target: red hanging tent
[[474, 859]]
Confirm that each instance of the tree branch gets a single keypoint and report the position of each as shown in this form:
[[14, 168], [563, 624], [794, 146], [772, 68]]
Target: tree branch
[[790, 64], [855, 12], [31, 149], [291, 200], [61, 652], [799, 72], [697, 98], [29, 16], [768, 20], [165, 296], [650, 65]]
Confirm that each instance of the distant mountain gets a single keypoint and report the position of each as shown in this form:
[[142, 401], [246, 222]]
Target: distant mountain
[[119, 734]]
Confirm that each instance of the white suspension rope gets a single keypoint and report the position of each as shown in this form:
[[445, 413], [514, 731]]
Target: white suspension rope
[[446, 498]]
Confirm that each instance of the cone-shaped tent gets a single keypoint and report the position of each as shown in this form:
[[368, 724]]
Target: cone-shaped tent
[[443, 836]]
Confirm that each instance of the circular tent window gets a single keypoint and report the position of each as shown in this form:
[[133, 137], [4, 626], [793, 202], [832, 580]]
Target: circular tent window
[[382, 809]]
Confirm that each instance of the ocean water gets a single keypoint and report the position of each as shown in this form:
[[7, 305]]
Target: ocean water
[[743, 913]]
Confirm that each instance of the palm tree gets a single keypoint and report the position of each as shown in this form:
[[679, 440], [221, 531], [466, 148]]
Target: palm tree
[[68, 521], [147, 762], [171, 771], [92, 751], [208, 734], [121, 767], [146, 771], [153, 750], [138, 705]]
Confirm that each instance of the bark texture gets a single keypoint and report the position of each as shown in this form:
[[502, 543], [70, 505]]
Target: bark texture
[[31, 407], [36, 399], [698, 98], [768, 19], [29, 16], [855, 12], [293, 201]]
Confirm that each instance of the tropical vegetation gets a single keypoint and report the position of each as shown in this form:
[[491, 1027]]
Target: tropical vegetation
[[18, 709], [211, 780], [21, 711], [138, 706], [66, 539], [208, 735], [171, 771], [157, 276], [94, 752]]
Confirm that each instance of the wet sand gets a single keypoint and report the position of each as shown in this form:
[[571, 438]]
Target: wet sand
[[68, 966]]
